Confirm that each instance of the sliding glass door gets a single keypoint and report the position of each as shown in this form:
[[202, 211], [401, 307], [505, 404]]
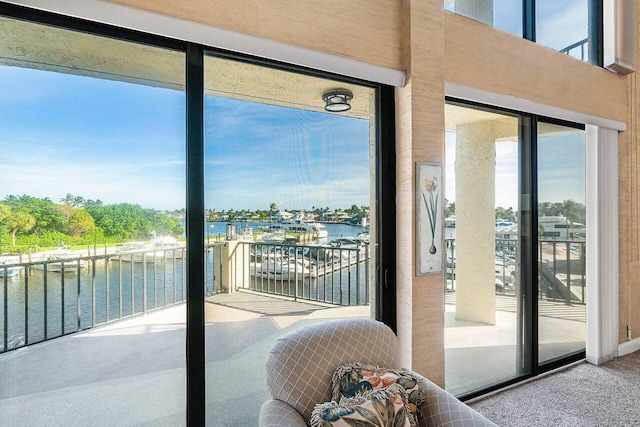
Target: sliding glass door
[[515, 233], [92, 243], [290, 196]]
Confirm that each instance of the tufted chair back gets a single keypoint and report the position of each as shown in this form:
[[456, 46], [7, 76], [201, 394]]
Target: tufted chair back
[[300, 365]]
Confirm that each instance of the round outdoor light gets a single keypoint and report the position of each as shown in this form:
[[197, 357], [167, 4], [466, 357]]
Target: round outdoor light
[[337, 100]]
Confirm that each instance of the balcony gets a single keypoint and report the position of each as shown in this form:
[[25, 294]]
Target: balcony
[[71, 344], [102, 335]]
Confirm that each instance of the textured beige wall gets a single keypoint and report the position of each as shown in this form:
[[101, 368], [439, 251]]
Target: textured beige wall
[[485, 58], [365, 30], [629, 211], [420, 138]]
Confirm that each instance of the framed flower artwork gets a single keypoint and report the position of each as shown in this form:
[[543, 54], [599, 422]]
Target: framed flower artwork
[[430, 223]]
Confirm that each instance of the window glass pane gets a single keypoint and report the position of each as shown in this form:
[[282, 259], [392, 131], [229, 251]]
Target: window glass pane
[[503, 14], [482, 338], [92, 189], [288, 191], [561, 241], [564, 26]]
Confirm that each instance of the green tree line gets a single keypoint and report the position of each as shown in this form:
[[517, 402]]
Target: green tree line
[[357, 212], [27, 222], [570, 209]]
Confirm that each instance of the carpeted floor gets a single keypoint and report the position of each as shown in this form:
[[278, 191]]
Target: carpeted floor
[[583, 395]]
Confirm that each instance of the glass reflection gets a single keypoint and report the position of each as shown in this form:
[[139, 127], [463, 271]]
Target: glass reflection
[[561, 241]]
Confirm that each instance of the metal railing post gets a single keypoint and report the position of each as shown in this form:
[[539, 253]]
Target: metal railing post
[[45, 303], [107, 285], [78, 308], [144, 281], [568, 298], [5, 314], [93, 291], [26, 309], [62, 286]]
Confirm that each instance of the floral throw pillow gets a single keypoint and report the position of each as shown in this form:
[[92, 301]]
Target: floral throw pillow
[[355, 379], [378, 408]]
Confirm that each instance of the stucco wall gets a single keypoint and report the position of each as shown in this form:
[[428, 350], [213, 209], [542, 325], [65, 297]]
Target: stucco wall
[[489, 59], [629, 212], [365, 30]]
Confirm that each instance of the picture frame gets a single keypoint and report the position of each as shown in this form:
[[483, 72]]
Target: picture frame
[[430, 219]]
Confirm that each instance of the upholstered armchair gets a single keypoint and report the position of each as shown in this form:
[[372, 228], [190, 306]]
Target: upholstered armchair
[[301, 364]]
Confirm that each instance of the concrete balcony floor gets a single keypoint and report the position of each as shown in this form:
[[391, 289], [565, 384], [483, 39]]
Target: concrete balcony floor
[[132, 372], [478, 355]]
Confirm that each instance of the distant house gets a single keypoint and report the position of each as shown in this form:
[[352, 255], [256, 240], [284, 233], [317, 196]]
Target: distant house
[[283, 216]]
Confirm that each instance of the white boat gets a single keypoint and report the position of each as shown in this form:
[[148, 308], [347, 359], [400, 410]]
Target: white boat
[[560, 228], [166, 247], [275, 266], [60, 261], [12, 271], [299, 226], [132, 252], [274, 238]]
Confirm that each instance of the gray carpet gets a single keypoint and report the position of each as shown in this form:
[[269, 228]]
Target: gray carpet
[[583, 395]]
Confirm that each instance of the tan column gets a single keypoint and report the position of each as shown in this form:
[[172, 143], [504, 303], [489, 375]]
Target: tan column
[[419, 138], [475, 222], [235, 265], [480, 10]]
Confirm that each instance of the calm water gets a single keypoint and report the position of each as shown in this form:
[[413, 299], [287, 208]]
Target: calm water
[[335, 231], [99, 294]]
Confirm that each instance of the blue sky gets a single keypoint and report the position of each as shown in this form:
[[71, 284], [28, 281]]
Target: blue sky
[[561, 169], [122, 142]]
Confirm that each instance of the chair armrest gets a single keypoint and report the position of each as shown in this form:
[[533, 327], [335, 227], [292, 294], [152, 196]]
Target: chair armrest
[[441, 408], [276, 413]]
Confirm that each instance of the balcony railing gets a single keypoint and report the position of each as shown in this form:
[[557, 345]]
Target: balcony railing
[[582, 45], [337, 274], [561, 269], [50, 298], [45, 298]]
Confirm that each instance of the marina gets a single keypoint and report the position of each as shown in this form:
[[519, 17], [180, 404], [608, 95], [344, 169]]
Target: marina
[[52, 294]]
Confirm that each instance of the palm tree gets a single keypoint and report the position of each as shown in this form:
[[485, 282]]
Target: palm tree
[[20, 221], [78, 202], [68, 199], [11, 199]]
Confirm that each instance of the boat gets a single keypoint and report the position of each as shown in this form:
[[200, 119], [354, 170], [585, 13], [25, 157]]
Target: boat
[[274, 238], [132, 252], [298, 226], [560, 228], [166, 247], [60, 261], [351, 249], [274, 265], [12, 271]]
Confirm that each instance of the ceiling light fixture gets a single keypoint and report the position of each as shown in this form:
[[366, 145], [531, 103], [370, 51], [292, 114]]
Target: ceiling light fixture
[[337, 100]]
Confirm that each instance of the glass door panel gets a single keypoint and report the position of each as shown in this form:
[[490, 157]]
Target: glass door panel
[[564, 26], [289, 196], [92, 136], [561, 241], [481, 232]]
